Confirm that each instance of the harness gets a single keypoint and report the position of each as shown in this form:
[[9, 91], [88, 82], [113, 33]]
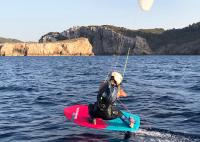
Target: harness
[[106, 97]]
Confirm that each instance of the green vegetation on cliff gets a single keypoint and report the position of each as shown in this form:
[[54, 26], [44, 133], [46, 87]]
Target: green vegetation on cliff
[[8, 40]]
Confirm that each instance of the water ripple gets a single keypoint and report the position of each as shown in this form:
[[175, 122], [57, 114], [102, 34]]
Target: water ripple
[[162, 90]]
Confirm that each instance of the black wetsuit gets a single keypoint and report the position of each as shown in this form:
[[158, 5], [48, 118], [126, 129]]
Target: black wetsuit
[[105, 107]]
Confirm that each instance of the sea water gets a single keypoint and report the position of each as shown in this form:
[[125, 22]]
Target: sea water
[[163, 90]]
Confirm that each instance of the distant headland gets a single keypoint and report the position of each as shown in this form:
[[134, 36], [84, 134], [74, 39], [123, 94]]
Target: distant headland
[[110, 40]]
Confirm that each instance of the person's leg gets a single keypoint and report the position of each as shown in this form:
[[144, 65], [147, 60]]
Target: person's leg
[[92, 112], [112, 112], [95, 112]]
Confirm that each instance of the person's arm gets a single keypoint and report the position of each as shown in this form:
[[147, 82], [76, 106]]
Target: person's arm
[[101, 89], [102, 85]]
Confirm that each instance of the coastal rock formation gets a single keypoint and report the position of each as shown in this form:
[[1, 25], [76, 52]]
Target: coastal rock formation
[[105, 40], [189, 48], [80, 46], [108, 40]]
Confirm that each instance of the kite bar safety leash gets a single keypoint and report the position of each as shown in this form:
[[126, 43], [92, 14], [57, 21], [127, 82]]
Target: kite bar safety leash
[[125, 65], [126, 108]]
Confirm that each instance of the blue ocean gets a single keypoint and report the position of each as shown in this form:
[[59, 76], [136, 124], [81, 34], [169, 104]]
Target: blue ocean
[[163, 90]]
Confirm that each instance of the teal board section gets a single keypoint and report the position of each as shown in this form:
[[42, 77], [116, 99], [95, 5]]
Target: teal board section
[[119, 125]]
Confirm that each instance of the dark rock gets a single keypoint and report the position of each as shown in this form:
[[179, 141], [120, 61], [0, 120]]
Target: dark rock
[[105, 41]]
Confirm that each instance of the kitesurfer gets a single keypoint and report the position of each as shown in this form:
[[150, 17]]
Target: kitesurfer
[[105, 106]]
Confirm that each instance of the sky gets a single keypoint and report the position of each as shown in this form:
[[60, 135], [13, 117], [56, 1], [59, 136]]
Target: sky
[[28, 20]]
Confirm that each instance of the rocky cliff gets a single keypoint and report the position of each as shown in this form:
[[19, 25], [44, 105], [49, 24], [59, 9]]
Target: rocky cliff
[[105, 41], [108, 39], [79, 46]]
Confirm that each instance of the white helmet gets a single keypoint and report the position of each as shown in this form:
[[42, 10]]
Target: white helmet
[[117, 77]]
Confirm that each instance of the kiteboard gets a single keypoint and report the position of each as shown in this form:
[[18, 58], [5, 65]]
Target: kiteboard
[[78, 114]]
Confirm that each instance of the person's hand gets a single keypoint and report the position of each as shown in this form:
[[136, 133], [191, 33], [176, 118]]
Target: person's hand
[[121, 93]]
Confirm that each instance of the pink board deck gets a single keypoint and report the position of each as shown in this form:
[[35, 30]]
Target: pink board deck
[[79, 115]]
